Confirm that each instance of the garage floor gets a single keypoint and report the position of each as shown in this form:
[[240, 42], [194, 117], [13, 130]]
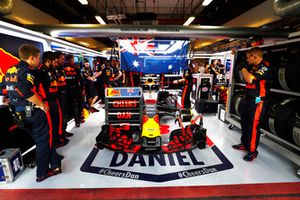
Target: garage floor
[[268, 168]]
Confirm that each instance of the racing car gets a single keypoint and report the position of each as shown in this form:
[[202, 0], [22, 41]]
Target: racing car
[[147, 137]]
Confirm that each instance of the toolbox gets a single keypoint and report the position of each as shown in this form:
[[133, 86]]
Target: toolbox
[[11, 165]]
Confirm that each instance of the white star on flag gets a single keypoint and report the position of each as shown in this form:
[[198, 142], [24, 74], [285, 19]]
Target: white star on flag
[[170, 67], [135, 63]]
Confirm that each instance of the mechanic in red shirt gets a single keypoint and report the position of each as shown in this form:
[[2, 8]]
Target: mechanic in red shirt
[[258, 80]]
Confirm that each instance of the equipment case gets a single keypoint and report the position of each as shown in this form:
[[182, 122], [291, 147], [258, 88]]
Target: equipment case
[[222, 113], [11, 165]]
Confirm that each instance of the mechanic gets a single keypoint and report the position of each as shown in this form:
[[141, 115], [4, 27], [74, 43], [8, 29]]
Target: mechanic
[[54, 66], [99, 84], [89, 81], [62, 93], [74, 88], [110, 75], [20, 83], [188, 84], [258, 79], [106, 74], [115, 76], [48, 90], [122, 79], [98, 76]]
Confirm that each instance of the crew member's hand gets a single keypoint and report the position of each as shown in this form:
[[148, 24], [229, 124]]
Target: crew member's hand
[[243, 69], [90, 78], [175, 82], [44, 107]]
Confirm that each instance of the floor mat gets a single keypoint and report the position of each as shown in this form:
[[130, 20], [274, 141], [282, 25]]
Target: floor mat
[[157, 167]]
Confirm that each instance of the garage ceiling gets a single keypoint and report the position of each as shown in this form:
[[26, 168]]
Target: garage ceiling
[[142, 12], [172, 12]]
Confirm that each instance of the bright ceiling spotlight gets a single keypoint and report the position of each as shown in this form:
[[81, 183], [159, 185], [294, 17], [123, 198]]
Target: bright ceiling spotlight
[[206, 2], [100, 20], [189, 21], [84, 2]]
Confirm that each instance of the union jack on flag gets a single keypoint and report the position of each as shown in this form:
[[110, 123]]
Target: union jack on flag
[[130, 90], [136, 46]]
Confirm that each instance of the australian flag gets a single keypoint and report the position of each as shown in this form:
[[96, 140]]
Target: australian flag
[[153, 56]]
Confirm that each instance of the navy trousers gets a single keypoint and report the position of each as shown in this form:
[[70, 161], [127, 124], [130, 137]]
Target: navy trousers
[[38, 127], [251, 118]]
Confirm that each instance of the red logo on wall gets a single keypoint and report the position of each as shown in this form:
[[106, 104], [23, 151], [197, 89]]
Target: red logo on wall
[[6, 61]]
